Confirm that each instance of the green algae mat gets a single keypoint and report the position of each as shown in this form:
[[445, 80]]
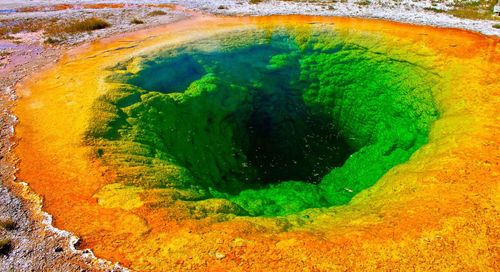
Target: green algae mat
[[274, 122]]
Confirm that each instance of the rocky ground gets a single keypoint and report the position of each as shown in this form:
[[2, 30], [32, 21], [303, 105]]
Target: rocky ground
[[33, 34]]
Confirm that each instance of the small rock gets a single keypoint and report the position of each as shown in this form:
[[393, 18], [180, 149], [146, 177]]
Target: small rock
[[219, 255]]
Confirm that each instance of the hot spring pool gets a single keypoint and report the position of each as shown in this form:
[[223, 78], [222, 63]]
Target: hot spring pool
[[275, 121], [268, 143]]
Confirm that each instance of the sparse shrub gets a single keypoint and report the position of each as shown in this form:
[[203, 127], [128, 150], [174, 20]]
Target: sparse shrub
[[88, 24], [496, 26], [136, 21], [7, 224], [51, 40], [363, 3], [5, 246], [480, 9], [24, 25], [434, 9], [157, 13], [3, 31]]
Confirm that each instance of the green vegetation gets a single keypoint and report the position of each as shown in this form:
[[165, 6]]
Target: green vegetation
[[274, 123], [496, 26]]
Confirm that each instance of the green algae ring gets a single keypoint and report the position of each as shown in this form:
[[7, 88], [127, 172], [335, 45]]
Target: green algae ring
[[263, 123]]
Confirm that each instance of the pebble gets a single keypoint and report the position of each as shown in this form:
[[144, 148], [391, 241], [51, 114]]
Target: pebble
[[219, 255]]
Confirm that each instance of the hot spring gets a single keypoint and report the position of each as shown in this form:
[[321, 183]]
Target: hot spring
[[274, 122], [270, 143]]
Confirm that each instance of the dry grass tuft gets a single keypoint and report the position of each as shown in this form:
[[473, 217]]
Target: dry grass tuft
[[52, 27], [363, 3], [136, 21], [434, 9], [7, 224], [57, 30], [84, 25], [8, 27], [157, 13], [5, 246], [482, 9], [53, 40]]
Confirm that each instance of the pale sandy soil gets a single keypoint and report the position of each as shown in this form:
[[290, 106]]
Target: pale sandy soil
[[36, 246], [411, 11]]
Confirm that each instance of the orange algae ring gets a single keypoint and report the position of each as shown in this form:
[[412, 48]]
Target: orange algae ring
[[82, 125]]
